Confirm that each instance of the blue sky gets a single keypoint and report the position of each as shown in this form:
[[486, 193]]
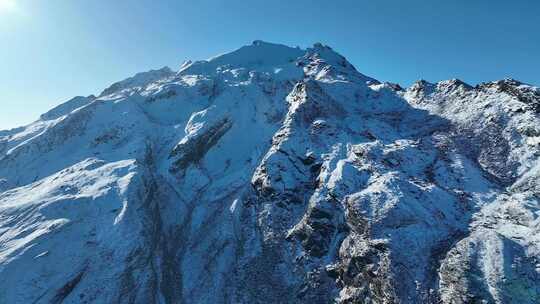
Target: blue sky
[[53, 50]]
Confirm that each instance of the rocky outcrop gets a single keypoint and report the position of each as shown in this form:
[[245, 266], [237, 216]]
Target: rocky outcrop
[[275, 175]]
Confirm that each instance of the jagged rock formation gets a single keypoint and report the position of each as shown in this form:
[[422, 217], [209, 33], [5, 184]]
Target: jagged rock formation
[[275, 175]]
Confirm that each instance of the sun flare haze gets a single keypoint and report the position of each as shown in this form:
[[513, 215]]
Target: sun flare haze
[[7, 5]]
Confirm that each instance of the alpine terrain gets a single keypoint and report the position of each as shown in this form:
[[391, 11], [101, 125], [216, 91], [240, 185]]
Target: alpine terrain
[[274, 174]]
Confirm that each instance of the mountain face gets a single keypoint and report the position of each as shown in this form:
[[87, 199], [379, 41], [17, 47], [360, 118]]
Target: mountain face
[[275, 175]]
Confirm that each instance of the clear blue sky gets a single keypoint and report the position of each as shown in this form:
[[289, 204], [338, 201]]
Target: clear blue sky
[[55, 49]]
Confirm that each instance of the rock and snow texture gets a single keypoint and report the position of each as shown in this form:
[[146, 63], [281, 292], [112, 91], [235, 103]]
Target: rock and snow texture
[[275, 175]]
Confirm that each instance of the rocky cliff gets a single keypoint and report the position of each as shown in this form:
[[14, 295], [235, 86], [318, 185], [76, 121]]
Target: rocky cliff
[[275, 175]]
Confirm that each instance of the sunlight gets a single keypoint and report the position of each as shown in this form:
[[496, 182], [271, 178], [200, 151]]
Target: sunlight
[[7, 5]]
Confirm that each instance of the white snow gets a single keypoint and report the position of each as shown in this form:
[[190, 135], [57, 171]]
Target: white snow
[[241, 178]]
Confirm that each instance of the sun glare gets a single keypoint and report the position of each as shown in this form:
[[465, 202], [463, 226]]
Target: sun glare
[[7, 5]]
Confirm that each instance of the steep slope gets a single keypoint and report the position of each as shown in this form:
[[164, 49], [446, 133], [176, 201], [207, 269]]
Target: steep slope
[[496, 125], [274, 175]]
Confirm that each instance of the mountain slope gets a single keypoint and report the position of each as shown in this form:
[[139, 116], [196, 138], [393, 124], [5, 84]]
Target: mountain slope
[[274, 175]]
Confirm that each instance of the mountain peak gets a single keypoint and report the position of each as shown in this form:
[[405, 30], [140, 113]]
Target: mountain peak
[[273, 174], [452, 85]]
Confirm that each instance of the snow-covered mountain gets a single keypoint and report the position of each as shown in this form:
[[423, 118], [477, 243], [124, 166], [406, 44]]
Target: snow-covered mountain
[[275, 175]]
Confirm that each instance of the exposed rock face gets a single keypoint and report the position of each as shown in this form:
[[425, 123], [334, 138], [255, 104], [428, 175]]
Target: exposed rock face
[[275, 175]]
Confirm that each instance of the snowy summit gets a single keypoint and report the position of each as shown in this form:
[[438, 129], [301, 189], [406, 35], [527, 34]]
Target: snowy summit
[[274, 174]]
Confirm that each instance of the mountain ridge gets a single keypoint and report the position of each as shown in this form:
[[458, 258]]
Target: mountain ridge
[[274, 174], [165, 71]]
